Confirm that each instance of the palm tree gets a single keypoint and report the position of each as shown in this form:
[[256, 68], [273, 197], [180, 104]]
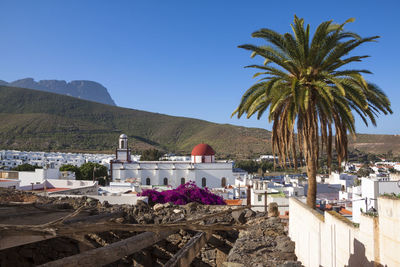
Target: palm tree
[[304, 85]]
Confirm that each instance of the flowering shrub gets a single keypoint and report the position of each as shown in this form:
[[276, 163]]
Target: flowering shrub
[[184, 194]]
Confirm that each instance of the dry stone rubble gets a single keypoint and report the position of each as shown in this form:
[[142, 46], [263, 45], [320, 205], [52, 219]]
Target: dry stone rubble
[[263, 243]]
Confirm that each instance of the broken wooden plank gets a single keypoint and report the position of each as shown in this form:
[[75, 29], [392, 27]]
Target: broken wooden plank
[[111, 253], [83, 228], [18, 240], [95, 218], [186, 254], [8, 240], [14, 235]]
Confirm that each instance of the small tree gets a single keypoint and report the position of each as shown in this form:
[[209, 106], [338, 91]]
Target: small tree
[[26, 167], [248, 165], [151, 155], [364, 171], [74, 169], [87, 169]]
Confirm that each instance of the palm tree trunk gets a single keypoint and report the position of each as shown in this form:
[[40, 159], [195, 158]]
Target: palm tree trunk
[[312, 181], [311, 151]]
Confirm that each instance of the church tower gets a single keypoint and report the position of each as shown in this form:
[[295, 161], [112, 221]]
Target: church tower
[[123, 153]]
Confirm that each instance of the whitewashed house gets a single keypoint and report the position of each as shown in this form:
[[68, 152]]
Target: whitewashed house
[[365, 196]]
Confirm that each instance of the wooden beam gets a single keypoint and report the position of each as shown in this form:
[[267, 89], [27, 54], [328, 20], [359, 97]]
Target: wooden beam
[[95, 218], [23, 237], [18, 240], [84, 228], [111, 253], [15, 235], [186, 254]]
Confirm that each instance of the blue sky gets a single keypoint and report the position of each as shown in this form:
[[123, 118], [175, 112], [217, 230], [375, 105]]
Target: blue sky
[[180, 57]]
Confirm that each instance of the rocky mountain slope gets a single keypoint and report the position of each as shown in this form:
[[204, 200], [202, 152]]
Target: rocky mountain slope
[[88, 90]]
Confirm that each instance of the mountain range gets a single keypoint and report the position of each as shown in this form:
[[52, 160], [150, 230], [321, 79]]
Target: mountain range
[[87, 90], [37, 120]]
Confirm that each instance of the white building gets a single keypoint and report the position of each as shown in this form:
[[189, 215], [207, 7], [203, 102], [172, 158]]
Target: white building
[[344, 179], [13, 158], [63, 187], [40, 175], [263, 190], [9, 183], [202, 169], [365, 196]]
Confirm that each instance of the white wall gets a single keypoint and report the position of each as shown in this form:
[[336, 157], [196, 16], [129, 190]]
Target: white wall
[[9, 183], [27, 178], [331, 240], [174, 171], [371, 189], [38, 176], [389, 231]]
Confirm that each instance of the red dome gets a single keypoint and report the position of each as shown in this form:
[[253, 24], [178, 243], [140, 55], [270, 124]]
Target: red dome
[[203, 150]]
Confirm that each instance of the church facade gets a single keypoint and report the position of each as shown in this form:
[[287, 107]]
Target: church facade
[[202, 169]]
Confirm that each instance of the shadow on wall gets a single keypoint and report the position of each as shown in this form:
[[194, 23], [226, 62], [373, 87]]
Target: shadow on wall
[[359, 258]]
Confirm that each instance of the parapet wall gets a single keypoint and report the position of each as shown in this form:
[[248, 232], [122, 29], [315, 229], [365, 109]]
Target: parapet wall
[[389, 231], [329, 239]]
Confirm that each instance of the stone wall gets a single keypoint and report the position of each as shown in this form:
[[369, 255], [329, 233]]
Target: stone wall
[[329, 239]]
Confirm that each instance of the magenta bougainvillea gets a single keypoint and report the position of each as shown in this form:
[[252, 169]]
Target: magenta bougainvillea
[[184, 194]]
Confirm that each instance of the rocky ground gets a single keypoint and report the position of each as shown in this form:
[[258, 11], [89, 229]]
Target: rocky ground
[[263, 243]]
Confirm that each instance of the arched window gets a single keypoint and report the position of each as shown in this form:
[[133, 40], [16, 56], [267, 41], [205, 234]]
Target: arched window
[[183, 181], [223, 182], [147, 181], [122, 144], [203, 182], [165, 181]]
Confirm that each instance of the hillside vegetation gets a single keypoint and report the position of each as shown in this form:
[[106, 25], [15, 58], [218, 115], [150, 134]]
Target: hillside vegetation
[[36, 120]]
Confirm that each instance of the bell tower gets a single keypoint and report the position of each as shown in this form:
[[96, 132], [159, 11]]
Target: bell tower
[[123, 153]]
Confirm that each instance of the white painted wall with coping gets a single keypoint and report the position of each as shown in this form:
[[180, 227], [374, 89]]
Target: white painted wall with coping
[[331, 240]]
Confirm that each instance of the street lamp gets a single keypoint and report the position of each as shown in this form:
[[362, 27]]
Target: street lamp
[[94, 169]]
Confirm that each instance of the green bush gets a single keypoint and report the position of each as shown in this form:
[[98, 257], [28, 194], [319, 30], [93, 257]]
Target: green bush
[[26, 167], [86, 170]]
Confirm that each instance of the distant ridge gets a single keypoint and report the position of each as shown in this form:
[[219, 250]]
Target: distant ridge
[[87, 90]]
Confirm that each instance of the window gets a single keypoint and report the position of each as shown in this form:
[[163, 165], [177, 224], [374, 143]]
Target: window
[[223, 182], [165, 181], [122, 144], [147, 181], [203, 182], [295, 193], [183, 181], [259, 198]]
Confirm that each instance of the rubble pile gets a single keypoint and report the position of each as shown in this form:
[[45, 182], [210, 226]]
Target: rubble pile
[[7, 196], [264, 243]]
